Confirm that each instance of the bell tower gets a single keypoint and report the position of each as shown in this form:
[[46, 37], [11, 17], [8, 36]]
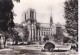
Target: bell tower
[[30, 18]]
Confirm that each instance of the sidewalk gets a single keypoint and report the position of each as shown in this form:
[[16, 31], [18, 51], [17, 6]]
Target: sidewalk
[[24, 49], [5, 49], [27, 47], [8, 51]]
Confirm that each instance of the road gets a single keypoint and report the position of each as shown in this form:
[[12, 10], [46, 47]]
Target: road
[[17, 51]]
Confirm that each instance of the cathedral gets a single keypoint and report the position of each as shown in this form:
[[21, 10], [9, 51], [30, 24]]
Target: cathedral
[[38, 31]]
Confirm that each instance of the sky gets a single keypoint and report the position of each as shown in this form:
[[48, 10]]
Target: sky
[[43, 8]]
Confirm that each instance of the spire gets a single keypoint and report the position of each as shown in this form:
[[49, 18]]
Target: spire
[[25, 17], [51, 19]]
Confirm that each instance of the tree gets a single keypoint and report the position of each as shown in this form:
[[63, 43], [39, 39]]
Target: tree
[[14, 36], [66, 39], [17, 0], [6, 16], [49, 46], [46, 38], [71, 15]]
